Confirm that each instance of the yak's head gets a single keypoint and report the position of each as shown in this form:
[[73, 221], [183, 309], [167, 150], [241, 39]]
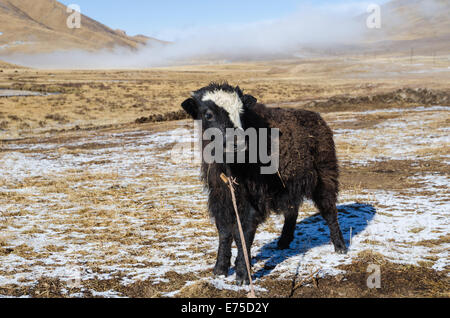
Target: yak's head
[[219, 106]]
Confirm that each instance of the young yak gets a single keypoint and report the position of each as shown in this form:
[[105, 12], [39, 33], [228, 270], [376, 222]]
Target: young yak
[[308, 168]]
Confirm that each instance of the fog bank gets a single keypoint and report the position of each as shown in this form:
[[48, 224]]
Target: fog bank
[[311, 27]]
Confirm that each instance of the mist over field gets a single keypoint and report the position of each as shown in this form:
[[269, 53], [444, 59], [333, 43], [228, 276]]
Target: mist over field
[[312, 30], [312, 27]]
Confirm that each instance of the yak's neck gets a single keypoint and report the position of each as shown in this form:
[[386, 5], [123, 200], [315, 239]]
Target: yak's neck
[[251, 119], [236, 170]]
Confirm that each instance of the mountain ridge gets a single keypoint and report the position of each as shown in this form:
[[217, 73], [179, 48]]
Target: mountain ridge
[[40, 26]]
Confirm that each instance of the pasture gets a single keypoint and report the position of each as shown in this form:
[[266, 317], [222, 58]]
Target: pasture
[[92, 203]]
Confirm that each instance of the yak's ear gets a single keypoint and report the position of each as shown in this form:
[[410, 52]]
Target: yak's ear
[[249, 101], [191, 107]]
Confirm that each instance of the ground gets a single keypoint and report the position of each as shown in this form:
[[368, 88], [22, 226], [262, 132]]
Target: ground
[[95, 204], [87, 99]]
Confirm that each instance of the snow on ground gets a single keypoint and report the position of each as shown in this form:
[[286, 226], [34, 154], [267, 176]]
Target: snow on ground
[[399, 138], [110, 204], [12, 93]]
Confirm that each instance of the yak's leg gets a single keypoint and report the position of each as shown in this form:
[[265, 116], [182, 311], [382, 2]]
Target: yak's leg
[[330, 216], [325, 198], [249, 229], [290, 222], [224, 254]]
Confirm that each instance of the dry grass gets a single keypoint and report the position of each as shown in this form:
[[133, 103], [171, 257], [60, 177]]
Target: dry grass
[[97, 98], [109, 202]]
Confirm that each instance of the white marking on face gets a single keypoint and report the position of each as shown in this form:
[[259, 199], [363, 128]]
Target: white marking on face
[[230, 102]]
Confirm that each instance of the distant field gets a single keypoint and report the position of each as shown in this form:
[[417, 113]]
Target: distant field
[[96, 98], [92, 205]]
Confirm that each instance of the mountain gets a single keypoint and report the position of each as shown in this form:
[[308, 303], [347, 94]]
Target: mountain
[[40, 26], [417, 19], [4, 65], [420, 25], [37, 26]]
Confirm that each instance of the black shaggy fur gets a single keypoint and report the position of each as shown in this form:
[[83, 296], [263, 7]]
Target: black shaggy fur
[[308, 169]]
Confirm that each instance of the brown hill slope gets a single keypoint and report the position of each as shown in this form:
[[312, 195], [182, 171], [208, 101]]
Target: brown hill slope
[[4, 65], [40, 26], [421, 25], [417, 19]]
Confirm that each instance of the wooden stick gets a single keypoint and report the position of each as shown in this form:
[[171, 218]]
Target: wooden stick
[[229, 182], [351, 236], [305, 280], [281, 178]]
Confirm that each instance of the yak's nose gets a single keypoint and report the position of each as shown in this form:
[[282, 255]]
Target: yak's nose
[[235, 144]]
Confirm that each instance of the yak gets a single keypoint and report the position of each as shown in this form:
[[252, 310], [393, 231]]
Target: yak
[[307, 169]]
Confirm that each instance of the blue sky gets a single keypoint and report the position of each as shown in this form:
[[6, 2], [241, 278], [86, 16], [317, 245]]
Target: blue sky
[[158, 18]]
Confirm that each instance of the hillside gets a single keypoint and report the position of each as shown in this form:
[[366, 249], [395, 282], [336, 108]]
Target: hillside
[[4, 65], [417, 19], [421, 25], [40, 26]]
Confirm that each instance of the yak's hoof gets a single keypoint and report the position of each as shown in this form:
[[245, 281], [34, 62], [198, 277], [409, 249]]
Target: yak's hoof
[[284, 244], [341, 250], [242, 281], [220, 272]]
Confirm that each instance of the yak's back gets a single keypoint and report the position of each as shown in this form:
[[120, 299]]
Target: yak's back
[[304, 135]]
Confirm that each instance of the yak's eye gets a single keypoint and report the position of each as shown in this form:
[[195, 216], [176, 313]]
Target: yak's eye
[[209, 116]]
